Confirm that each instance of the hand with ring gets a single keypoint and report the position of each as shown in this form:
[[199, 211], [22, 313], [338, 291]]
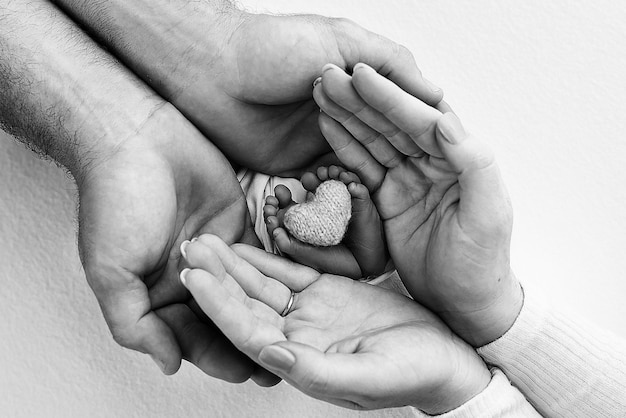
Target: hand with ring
[[348, 343]]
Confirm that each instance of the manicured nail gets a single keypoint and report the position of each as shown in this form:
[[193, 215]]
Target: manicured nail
[[277, 358], [183, 276], [435, 89], [328, 67], [183, 248], [451, 129], [360, 66], [159, 363], [317, 81]]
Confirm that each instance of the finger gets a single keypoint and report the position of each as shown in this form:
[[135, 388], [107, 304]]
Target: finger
[[336, 260], [351, 153], [376, 143], [264, 378], [390, 59], [293, 275], [163, 285], [229, 362], [322, 375], [367, 124], [205, 346], [236, 318], [210, 253], [444, 107], [408, 113], [484, 202], [127, 310]]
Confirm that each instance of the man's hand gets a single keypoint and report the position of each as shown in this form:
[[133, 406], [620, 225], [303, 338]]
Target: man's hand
[[165, 185], [445, 210], [147, 181], [244, 79], [345, 342]]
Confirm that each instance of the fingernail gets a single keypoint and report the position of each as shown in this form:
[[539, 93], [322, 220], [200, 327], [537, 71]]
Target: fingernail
[[183, 277], [359, 66], [451, 129], [317, 81], [183, 248], [328, 67], [277, 358], [432, 87], [159, 363]]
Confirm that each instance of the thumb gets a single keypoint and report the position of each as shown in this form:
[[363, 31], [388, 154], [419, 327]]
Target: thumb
[[340, 378], [484, 201], [388, 58]]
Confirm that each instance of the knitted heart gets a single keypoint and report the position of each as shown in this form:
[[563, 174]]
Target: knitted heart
[[323, 219]]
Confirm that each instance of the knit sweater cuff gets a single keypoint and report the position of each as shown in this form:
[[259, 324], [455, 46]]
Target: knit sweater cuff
[[499, 399], [564, 366]]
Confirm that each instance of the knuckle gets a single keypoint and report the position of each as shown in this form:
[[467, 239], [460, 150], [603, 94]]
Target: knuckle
[[125, 338], [208, 239], [99, 273], [482, 160], [498, 227], [316, 382], [343, 23], [505, 219], [405, 54]]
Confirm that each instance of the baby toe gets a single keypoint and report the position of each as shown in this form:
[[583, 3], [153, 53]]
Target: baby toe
[[334, 171], [283, 195], [322, 173], [310, 181], [269, 210], [348, 177]]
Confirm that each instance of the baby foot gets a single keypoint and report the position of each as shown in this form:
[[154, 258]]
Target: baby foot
[[362, 252]]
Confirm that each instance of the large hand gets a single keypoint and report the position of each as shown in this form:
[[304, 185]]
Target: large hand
[[147, 180], [165, 185], [244, 79], [446, 213], [345, 342], [272, 60]]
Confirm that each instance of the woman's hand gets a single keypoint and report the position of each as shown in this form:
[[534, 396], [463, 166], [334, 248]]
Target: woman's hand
[[345, 342], [445, 209]]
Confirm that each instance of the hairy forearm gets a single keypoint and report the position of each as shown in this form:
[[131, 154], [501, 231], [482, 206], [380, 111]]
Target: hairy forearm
[[149, 35], [61, 93]]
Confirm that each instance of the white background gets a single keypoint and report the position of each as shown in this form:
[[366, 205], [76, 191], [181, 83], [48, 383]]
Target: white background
[[543, 82]]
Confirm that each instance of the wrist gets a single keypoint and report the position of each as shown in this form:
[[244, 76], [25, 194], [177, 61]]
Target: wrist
[[64, 91], [490, 314], [169, 44], [501, 315], [145, 130], [470, 377]]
